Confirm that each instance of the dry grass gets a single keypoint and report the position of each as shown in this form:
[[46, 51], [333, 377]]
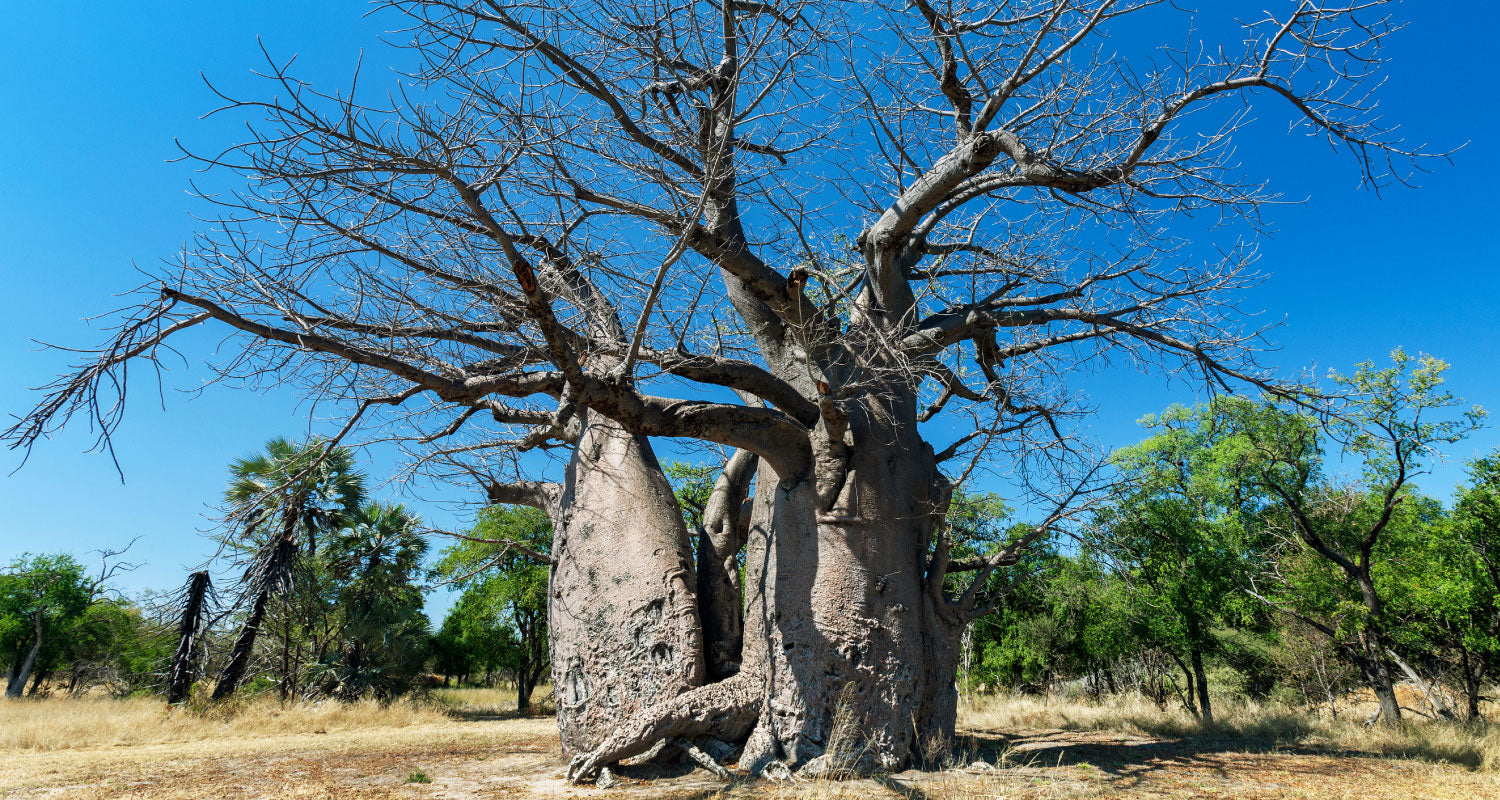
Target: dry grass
[[69, 724], [109, 748], [471, 744], [471, 702], [1250, 724]]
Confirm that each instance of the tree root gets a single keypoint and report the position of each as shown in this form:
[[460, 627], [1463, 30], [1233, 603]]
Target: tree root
[[704, 759], [719, 709]]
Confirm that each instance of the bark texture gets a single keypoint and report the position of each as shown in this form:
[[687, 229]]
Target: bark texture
[[622, 611], [845, 599], [726, 522]]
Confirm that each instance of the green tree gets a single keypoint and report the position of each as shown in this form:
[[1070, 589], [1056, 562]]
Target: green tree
[[41, 597], [1468, 599], [1177, 532], [114, 644], [282, 499], [473, 639], [1390, 419], [503, 588], [1058, 615], [374, 563]]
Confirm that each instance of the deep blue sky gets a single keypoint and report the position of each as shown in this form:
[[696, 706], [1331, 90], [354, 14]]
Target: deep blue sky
[[93, 95]]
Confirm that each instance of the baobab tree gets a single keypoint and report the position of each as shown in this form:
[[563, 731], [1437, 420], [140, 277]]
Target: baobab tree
[[807, 232]]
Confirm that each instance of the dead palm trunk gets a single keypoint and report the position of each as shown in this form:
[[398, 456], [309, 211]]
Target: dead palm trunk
[[272, 572], [185, 659]]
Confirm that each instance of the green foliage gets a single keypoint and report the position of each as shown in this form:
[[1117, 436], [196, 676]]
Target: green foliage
[[43, 598], [1227, 538], [1057, 616], [500, 620], [374, 564], [294, 488], [115, 645], [692, 483], [340, 578], [417, 776]]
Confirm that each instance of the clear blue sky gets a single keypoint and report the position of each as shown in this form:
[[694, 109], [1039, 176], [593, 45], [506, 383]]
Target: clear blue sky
[[93, 95]]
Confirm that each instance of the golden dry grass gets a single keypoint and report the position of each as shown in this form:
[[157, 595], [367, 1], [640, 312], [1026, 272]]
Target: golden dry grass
[[1250, 724], [67, 724], [472, 745]]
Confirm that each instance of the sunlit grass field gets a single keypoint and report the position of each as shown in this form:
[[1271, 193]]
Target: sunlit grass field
[[471, 743], [1471, 745]]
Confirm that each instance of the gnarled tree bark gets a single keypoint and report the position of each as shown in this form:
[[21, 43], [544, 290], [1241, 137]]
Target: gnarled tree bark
[[622, 607]]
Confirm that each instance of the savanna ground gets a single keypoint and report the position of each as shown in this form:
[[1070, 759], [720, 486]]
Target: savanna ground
[[465, 744]]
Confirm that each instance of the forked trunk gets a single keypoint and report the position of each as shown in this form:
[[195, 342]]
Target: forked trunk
[[17, 685], [725, 527], [1473, 684]]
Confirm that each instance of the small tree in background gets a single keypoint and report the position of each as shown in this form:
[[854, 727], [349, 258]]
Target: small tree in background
[[382, 635], [1468, 603], [1392, 420], [41, 597], [503, 588]]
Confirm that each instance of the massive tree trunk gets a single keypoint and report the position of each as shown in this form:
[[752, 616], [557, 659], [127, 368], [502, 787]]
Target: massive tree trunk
[[845, 603], [622, 610]]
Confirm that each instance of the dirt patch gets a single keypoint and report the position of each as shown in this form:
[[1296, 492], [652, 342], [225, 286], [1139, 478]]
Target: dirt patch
[[520, 758]]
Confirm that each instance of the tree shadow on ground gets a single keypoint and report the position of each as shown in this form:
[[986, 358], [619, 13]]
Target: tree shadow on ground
[[486, 714], [1125, 759]]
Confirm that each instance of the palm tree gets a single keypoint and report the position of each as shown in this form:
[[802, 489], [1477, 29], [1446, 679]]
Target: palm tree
[[375, 560], [283, 499]]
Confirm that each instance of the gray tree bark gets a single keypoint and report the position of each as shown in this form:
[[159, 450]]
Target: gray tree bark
[[844, 599], [622, 609], [726, 523]]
